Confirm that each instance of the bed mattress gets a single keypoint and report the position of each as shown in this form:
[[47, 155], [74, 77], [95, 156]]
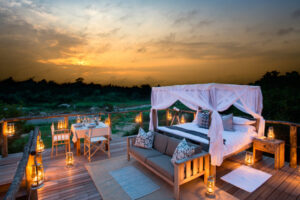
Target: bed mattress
[[235, 140]]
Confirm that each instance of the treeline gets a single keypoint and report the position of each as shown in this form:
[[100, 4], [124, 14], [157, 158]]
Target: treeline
[[30, 92], [281, 94]]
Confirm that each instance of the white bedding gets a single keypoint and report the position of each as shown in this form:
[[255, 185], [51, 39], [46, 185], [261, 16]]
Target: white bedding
[[235, 140]]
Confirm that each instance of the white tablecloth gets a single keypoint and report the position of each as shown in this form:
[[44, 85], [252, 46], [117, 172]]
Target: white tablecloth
[[100, 130]]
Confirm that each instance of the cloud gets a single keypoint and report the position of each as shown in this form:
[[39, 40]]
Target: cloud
[[296, 14], [185, 18], [285, 31]]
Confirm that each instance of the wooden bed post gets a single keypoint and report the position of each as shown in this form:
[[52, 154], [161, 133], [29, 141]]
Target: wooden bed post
[[293, 150], [154, 119], [213, 170]]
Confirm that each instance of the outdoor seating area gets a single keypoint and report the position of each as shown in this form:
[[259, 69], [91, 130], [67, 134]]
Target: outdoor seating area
[[175, 161]]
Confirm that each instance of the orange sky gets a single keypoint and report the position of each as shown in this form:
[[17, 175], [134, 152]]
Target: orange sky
[[155, 42]]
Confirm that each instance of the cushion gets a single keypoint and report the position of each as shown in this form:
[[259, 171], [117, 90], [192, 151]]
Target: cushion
[[227, 122], [142, 153], [160, 142], [183, 150], [242, 121], [204, 119], [143, 139], [172, 144], [163, 165], [61, 137]]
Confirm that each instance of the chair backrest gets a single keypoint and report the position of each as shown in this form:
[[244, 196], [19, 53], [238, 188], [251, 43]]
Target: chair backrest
[[52, 129], [90, 133]]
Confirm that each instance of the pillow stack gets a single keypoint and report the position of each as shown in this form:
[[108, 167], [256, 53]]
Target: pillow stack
[[144, 140]]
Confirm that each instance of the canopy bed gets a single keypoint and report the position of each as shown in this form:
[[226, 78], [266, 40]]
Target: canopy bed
[[215, 98]]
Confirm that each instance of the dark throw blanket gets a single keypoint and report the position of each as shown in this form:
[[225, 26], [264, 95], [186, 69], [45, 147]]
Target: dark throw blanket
[[196, 133]]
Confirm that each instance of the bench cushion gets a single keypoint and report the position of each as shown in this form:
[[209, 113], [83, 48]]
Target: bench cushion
[[143, 153], [160, 142], [163, 165], [172, 144]]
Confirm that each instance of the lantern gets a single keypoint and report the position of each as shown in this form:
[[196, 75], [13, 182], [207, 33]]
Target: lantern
[[210, 187], [138, 118], [249, 158], [10, 129], [40, 147], [37, 176], [169, 116], [61, 124], [78, 120], [107, 121], [271, 134], [182, 120], [69, 159]]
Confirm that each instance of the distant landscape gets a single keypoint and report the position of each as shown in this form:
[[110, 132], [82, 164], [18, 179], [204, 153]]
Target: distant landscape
[[281, 93]]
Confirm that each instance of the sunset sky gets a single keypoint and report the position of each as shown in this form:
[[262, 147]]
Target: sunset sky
[[157, 42]]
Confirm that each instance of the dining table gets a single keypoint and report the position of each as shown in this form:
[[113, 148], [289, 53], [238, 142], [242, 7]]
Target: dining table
[[79, 130]]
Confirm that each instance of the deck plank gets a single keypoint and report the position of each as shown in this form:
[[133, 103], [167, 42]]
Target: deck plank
[[75, 182]]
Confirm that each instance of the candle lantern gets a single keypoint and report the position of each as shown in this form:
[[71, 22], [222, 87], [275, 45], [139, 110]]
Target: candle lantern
[[210, 187], [10, 129], [69, 159], [271, 134], [60, 124], [169, 116], [249, 158], [40, 147], [107, 121], [37, 176], [182, 119], [138, 118], [78, 119]]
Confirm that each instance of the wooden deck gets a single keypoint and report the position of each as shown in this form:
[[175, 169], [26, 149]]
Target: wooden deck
[[75, 182]]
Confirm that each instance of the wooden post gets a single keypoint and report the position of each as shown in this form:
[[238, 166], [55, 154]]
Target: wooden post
[[141, 117], [293, 146], [4, 140], [154, 119], [167, 113], [66, 122]]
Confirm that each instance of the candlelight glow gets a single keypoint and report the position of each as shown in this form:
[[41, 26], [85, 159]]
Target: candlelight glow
[[182, 119], [271, 134], [10, 129], [69, 159], [61, 124], [249, 158], [107, 121], [138, 118], [169, 116], [210, 186], [37, 176]]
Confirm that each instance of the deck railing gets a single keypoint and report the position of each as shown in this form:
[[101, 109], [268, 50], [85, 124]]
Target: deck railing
[[293, 126], [24, 169]]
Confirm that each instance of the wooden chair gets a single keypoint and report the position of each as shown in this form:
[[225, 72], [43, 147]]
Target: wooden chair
[[60, 137], [92, 144]]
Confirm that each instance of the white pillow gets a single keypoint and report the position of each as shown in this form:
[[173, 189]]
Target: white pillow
[[183, 150], [244, 128], [242, 121], [144, 140]]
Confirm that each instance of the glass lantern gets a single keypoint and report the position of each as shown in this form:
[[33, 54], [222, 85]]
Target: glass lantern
[[138, 119], [249, 158], [182, 119], [69, 159], [271, 134], [10, 129], [37, 176], [169, 116], [40, 147], [210, 187], [107, 121], [61, 124], [78, 119]]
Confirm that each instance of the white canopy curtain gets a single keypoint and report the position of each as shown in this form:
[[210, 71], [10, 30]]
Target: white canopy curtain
[[214, 97]]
